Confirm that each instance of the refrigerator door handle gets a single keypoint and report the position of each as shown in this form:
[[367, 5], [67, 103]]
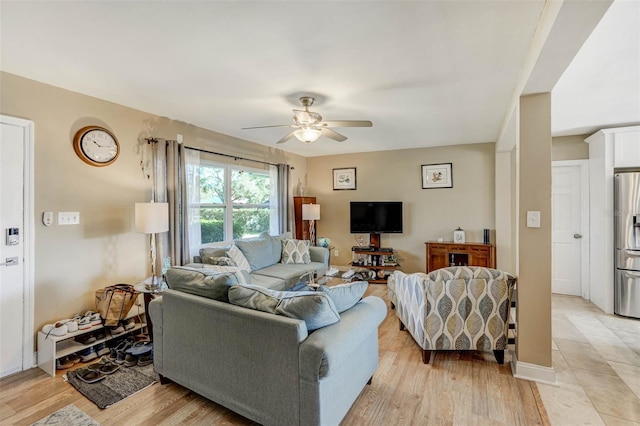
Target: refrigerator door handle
[[632, 252], [631, 274]]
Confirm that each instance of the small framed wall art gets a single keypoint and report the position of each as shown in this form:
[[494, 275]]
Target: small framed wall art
[[344, 178], [437, 176]]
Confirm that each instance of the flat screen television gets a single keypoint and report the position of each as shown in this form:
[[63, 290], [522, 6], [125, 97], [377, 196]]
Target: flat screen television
[[376, 217]]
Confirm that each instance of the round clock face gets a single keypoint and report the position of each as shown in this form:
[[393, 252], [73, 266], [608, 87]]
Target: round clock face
[[96, 146]]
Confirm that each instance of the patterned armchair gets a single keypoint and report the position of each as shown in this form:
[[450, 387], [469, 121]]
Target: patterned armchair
[[457, 308]]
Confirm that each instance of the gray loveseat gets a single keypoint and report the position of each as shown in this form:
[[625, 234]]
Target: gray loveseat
[[266, 367], [265, 260]]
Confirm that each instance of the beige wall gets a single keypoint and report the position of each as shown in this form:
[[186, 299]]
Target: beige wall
[[533, 344], [73, 261], [396, 176], [569, 148]]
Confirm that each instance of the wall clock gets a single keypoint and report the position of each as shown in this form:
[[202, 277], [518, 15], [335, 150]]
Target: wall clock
[[96, 146]]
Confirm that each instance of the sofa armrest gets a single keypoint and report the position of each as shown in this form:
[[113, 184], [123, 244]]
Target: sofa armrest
[[319, 254], [155, 315], [332, 346]]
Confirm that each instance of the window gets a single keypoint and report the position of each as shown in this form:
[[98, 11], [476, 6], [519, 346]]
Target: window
[[234, 202]]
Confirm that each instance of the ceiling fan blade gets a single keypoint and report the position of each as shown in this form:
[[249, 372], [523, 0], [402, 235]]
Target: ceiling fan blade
[[264, 127], [286, 137], [333, 135], [346, 123]]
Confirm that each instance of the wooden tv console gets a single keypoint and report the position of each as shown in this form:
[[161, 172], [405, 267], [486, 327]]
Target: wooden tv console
[[442, 255]]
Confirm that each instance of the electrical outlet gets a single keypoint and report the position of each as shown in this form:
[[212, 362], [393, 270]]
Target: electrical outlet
[[336, 253], [533, 219]]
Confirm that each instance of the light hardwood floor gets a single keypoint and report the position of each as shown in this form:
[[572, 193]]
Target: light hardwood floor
[[457, 388]]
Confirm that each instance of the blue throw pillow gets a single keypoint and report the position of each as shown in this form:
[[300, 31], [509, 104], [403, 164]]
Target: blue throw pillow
[[315, 309], [344, 296]]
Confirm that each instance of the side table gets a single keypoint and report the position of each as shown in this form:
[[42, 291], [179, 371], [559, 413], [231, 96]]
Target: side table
[[149, 295]]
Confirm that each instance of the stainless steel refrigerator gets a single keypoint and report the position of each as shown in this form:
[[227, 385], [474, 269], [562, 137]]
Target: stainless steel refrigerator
[[627, 244]]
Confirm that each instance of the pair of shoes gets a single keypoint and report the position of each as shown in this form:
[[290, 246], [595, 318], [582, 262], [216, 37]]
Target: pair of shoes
[[94, 317], [89, 376], [115, 330], [86, 339], [88, 354], [117, 352], [84, 323], [72, 324], [105, 366], [128, 324], [136, 352], [146, 359], [58, 329], [101, 349], [67, 361]]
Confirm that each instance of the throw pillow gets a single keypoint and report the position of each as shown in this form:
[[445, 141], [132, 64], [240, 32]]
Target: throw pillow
[[220, 261], [203, 282], [295, 251], [258, 251], [238, 258], [344, 296], [315, 309], [206, 253]]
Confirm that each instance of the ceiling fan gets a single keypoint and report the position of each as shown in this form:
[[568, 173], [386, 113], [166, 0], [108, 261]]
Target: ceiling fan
[[308, 125]]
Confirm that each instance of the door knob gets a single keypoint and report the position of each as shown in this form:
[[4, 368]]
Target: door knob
[[577, 236]]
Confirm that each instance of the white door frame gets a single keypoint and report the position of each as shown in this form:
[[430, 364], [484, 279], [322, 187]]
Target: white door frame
[[584, 208], [28, 354]]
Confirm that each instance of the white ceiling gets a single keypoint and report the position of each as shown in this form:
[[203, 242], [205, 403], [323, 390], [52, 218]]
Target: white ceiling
[[426, 73]]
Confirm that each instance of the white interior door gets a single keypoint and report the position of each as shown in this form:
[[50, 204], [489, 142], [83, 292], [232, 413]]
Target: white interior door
[[16, 311], [568, 238]]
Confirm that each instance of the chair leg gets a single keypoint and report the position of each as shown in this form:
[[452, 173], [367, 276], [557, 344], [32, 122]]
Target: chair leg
[[426, 356], [370, 380], [392, 305], [499, 354], [164, 380], [401, 325]]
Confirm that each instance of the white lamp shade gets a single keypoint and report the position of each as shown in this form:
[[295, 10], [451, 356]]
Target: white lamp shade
[[307, 134], [310, 211], [152, 218]]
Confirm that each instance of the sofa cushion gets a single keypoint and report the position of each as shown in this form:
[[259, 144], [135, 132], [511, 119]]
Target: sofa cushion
[[289, 273], [211, 281], [238, 258], [344, 296], [295, 251], [315, 309], [273, 283]]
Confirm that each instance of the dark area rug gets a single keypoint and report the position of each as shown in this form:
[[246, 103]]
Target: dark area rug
[[115, 387]]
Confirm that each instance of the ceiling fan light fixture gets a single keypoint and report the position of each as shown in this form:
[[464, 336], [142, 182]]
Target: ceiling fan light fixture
[[307, 134]]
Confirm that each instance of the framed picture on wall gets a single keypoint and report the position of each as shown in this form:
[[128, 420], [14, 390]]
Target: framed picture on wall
[[344, 178], [437, 176]]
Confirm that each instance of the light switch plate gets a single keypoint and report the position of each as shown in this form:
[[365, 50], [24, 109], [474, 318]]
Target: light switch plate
[[533, 219], [68, 218]]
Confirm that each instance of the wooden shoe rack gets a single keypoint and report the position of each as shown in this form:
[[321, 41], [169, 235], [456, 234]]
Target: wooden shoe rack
[[52, 348]]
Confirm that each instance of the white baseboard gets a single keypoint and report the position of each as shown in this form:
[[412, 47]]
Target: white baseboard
[[533, 372]]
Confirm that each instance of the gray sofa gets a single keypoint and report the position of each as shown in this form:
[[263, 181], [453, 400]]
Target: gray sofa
[[264, 255], [266, 367]]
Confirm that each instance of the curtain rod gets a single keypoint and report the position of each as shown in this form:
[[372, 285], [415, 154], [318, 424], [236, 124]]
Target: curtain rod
[[235, 157]]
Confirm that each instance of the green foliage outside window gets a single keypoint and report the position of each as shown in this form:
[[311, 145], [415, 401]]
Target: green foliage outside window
[[247, 188]]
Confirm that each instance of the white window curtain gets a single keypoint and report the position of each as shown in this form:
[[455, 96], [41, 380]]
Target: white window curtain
[[192, 181]]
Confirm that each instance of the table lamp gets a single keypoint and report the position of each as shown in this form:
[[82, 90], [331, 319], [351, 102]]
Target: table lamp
[[152, 218], [311, 212]]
